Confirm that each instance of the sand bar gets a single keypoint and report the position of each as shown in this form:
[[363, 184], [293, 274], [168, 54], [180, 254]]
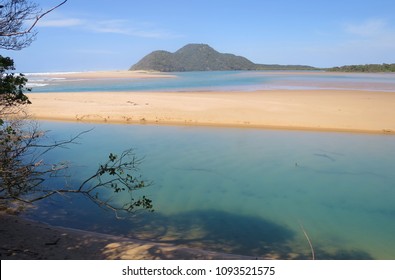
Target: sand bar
[[328, 110]]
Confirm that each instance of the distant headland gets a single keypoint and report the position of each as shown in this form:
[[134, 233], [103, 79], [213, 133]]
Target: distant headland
[[202, 57]]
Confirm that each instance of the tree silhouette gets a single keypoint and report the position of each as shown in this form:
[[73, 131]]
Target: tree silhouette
[[15, 15], [24, 175]]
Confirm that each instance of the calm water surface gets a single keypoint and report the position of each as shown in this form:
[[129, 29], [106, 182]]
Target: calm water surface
[[220, 80], [243, 191]]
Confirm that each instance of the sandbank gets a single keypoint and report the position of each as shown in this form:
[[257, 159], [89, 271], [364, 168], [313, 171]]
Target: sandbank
[[325, 110], [26, 239]]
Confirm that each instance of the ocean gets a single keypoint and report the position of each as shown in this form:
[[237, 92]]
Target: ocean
[[254, 192]]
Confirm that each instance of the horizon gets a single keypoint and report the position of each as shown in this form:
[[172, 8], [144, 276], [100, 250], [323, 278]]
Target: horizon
[[86, 36]]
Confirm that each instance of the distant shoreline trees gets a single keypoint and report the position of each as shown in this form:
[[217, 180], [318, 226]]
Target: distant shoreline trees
[[366, 68]]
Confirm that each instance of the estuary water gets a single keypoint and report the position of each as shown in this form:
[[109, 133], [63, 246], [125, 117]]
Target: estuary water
[[218, 80], [243, 191]]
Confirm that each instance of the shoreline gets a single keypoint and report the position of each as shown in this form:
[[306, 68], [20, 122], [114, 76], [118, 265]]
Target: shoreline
[[235, 126], [105, 74], [312, 110], [25, 239]]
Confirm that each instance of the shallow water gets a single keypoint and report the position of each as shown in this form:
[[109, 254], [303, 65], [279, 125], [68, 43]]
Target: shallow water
[[243, 191], [220, 80]]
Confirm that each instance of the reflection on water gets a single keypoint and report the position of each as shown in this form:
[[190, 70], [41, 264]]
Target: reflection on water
[[245, 191]]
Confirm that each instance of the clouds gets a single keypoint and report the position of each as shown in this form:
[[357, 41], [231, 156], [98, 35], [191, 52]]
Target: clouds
[[125, 27], [101, 34], [66, 22], [367, 28], [360, 41], [109, 26], [374, 34], [115, 26], [371, 40]]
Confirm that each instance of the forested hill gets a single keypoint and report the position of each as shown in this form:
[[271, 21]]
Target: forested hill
[[273, 67], [369, 68], [193, 57], [202, 57]]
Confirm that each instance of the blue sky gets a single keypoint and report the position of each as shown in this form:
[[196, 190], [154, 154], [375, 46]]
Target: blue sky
[[85, 35]]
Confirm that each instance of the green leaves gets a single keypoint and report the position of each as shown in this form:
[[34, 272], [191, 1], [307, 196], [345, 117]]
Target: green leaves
[[143, 202], [18, 178], [12, 86], [112, 157], [116, 175], [22, 172]]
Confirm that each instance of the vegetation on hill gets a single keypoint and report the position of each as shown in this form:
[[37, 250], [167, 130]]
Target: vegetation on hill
[[284, 67], [202, 57], [370, 68], [192, 57]]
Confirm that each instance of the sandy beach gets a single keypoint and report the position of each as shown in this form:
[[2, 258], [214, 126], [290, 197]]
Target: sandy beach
[[328, 110]]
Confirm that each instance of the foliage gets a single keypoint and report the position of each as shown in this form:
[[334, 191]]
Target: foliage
[[24, 175], [368, 68], [274, 67], [12, 86]]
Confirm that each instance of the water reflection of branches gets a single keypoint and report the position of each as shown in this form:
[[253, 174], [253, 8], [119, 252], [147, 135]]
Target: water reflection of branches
[[218, 231]]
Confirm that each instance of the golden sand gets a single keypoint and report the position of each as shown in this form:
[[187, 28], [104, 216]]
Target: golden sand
[[331, 110]]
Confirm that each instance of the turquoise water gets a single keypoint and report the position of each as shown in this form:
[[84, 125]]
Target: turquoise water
[[220, 80], [243, 191]]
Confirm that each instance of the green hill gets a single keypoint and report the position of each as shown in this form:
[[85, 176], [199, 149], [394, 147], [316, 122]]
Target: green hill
[[193, 57], [202, 57]]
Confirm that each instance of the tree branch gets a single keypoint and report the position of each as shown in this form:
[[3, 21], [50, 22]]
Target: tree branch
[[43, 14], [33, 24]]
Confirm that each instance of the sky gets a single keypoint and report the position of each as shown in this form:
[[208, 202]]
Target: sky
[[88, 35]]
